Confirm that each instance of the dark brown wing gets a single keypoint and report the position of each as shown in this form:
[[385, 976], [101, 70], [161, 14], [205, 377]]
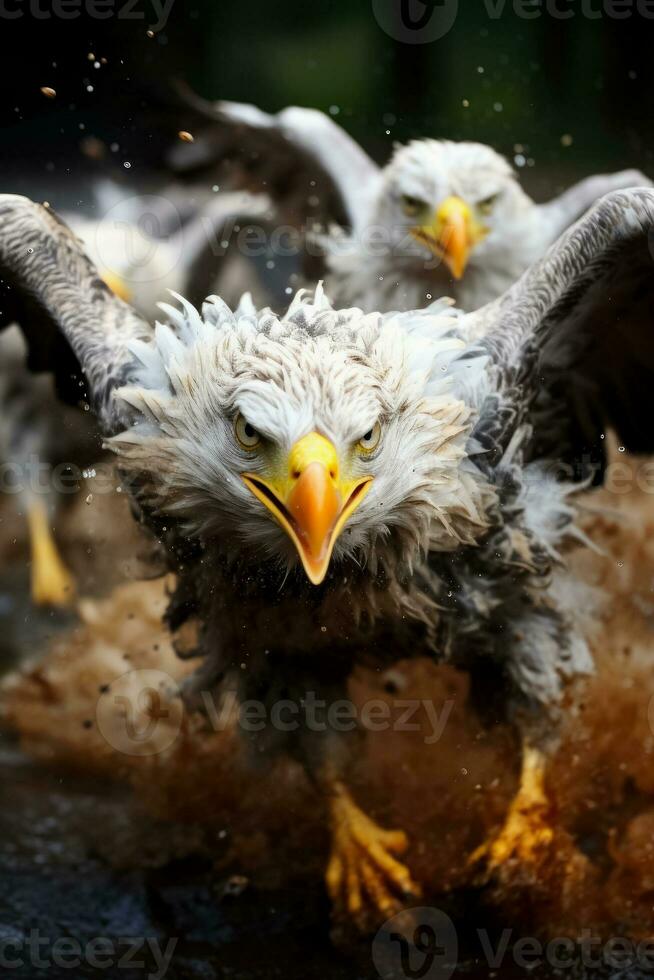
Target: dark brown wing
[[574, 338]]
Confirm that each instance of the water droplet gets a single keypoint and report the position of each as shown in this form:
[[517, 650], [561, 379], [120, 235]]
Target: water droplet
[[49, 93], [127, 165], [323, 629], [30, 251], [185, 136], [89, 499], [621, 449], [464, 772]]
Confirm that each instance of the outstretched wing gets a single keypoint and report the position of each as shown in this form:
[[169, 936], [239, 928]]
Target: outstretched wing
[[308, 165], [563, 211], [73, 323], [573, 340]]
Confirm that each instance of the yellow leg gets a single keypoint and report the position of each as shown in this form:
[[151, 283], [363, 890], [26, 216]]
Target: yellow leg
[[52, 583], [364, 876], [527, 834]]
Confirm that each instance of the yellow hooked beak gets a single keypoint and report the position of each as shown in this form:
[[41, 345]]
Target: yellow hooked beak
[[311, 501], [452, 235], [117, 285]]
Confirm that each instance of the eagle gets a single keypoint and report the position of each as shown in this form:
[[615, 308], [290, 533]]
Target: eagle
[[333, 487], [442, 218]]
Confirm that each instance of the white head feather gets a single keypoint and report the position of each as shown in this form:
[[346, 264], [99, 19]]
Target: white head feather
[[314, 369], [401, 272]]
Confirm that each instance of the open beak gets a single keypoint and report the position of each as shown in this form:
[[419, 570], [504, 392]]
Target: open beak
[[311, 501], [452, 235]]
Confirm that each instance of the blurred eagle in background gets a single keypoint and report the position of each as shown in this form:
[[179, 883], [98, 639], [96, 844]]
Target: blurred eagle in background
[[440, 219], [332, 487]]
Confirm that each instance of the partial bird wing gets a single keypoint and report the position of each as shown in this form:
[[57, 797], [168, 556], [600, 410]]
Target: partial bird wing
[[310, 167], [561, 212], [572, 342], [143, 248], [230, 227], [70, 318]]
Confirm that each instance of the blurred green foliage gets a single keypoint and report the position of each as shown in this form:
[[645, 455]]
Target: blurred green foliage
[[528, 82]]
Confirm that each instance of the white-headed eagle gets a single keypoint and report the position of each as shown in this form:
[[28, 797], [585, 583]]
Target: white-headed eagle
[[440, 219], [332, 487]]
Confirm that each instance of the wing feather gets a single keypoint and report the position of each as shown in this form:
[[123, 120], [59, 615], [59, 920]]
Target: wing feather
[[561, 212], [309, 165], [71, 320], [574, 337]]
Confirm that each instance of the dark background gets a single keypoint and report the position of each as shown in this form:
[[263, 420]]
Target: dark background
[[544, 78]]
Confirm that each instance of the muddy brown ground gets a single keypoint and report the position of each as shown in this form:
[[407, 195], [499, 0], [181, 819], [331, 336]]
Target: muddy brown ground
[[196, 843]]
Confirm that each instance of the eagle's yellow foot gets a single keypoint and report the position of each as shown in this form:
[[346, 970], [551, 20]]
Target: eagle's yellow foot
[[364, 877], [527, 834], [52, 583]]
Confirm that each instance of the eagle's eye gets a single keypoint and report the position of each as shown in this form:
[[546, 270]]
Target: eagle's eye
[[413, 206], [486, 206], [246, 434], [370, 440]]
